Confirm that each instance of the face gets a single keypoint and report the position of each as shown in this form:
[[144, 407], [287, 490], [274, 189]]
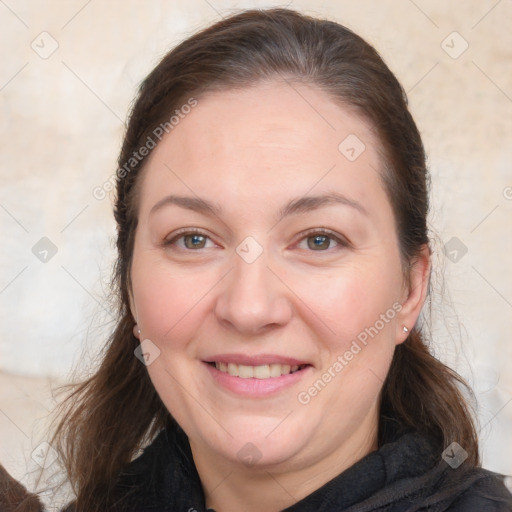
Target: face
[[266, 272]]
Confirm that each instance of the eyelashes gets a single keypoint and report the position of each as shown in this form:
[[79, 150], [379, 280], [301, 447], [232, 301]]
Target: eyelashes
[[190, 239], [321, 240], [317, 240]]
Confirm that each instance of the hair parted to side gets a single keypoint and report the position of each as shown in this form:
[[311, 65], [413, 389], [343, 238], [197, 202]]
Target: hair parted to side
[[109, 416]]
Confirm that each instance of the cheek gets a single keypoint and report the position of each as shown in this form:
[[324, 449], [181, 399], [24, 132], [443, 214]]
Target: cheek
[[168, 304], [350, 303], [358, 309]]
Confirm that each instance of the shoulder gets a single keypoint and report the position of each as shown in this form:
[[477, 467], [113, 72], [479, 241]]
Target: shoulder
[[486, 493], [137, 487], [417, 475], [143, 477]]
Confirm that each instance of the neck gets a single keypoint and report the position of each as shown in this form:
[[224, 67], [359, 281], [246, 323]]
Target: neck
[[231, 487]]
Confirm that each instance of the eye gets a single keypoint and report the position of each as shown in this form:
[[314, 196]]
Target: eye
[[191, 241], [321, 241], [194, 241]]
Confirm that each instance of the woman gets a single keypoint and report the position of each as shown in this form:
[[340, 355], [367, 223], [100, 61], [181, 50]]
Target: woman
[[273, 260]]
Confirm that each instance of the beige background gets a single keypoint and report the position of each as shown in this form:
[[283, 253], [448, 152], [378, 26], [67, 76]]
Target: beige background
[[61, 125]]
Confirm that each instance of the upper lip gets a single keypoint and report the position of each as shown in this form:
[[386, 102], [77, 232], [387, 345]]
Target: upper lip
[[257, 360]]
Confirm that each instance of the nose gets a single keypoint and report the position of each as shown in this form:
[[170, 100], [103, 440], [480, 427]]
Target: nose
[[252, 299]]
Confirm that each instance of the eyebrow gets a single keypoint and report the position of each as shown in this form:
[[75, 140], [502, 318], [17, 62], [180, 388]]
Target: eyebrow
[[294, 207], [309, 203], [190, 203]]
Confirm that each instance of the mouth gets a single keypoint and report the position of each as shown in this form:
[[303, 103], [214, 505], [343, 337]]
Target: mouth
[[256, 376], [263, 371]]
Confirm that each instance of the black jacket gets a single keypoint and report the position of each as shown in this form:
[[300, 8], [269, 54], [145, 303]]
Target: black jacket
[[405, 475]]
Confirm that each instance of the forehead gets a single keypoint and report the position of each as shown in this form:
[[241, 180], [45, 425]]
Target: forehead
[[265, 141]]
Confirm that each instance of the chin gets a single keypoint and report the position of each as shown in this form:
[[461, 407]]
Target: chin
[[259, 446]]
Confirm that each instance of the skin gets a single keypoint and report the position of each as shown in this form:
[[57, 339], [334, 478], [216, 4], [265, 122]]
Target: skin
[[251, 152]]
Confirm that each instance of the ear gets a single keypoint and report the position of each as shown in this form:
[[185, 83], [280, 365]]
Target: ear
[[415, 292], [131, 301], [133, 310]]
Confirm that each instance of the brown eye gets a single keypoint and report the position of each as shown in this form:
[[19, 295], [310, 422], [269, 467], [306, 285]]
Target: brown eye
[[319, 242], [194, 241]]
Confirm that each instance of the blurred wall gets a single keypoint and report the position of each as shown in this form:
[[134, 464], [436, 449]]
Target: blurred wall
[[68, 72]]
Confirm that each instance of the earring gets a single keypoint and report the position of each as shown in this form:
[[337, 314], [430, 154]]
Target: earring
[[404, 328], [136, 331]]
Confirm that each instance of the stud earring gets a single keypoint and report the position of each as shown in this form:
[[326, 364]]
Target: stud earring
[[404, 328], [136, 331]]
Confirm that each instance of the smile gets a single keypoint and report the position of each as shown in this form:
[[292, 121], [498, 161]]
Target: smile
[[264, 371]]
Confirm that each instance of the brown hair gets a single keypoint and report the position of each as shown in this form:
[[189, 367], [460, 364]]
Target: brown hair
[[14, 497], [109, 416]]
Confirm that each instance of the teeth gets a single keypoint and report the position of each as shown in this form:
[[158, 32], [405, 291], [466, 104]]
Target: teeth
[[232, 369], [245, 372], [264, 371], [275, 370]]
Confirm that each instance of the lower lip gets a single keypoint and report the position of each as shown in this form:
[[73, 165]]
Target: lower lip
[[256, 387]]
